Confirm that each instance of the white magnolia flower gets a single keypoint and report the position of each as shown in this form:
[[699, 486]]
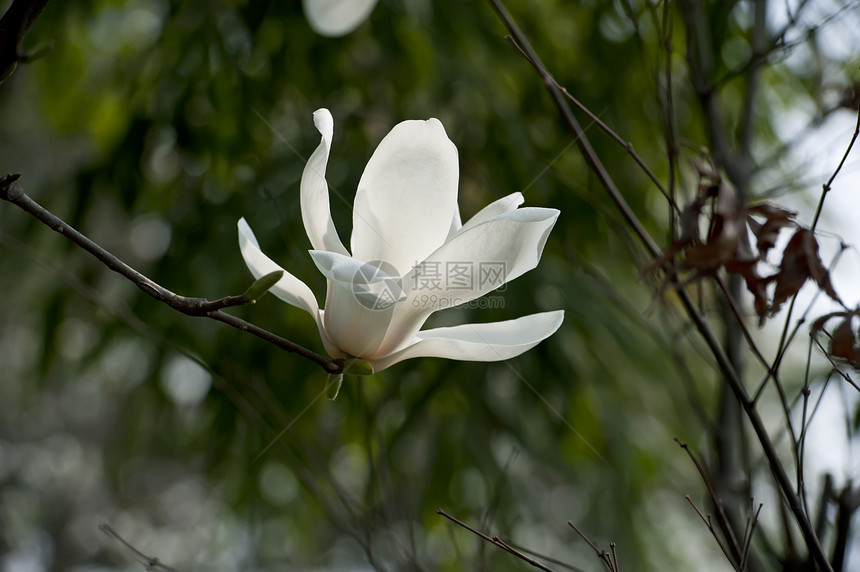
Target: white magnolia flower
[[410, 255], [337, 17]]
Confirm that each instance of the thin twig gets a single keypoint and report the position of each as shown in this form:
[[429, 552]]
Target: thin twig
[[148, 562], [496, 541], [847, 503], [752, 521], [582, 141], [827, 186], [669, 114], [626, 145], [13, 25], [530, 552], [772, 373], [707, 520], [835, 365], [760, 49], [11, 191], [601, 554], [800, 442], [722, 519], [786, 338], [614, 557], [742, 323]]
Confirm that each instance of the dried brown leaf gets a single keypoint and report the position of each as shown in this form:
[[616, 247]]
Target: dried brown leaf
[[843, 343], [818, 325], [768, 233], [744, 254], [706, 258], [817, 271], [757, 286], [775, 219], [771, 211], [689, 221], [793, 271], [800, 261], [728, 205]]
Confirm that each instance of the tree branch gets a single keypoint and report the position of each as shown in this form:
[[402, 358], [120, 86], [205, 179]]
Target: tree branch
[[149, 562], [13, 25], [722, 519], [760, 48], [11, 191], [724, 363], [496, 541], [827, 185]]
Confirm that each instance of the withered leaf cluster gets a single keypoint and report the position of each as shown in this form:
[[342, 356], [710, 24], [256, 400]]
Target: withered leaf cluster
[[844, 339], [731, 228]]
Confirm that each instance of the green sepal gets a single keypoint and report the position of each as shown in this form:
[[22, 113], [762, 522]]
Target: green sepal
[[332, 385], [261, 285], [356, 366]]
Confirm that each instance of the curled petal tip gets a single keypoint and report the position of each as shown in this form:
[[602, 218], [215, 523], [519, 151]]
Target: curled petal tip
[[324, 122]]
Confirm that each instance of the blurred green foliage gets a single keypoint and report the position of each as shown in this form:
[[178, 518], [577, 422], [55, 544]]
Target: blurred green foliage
[[154, 125]]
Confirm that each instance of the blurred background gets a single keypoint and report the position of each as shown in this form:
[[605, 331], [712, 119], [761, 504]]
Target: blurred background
[[152, 126]]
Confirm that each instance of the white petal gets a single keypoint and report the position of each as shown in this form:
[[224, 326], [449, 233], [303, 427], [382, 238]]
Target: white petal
[[360, 302], [355, 327], [374, 284], [456, 224], [479, 342], [494, 209], [407, 197], [476, 261], [482, 257], [316, 211], [337, 17], [289, 288]]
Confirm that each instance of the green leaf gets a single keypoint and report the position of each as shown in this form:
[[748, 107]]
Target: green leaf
[[262, 285]]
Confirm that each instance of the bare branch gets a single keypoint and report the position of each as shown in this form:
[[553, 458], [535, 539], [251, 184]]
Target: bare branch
[[608, 559], [724, 363], [13, 25], [626, 145], [496, 541], [149, 563], [848, 502], [555, 561], [722, 519], [760, 48], [827, 185], [707, 520], [752, 521], [11, 191]]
